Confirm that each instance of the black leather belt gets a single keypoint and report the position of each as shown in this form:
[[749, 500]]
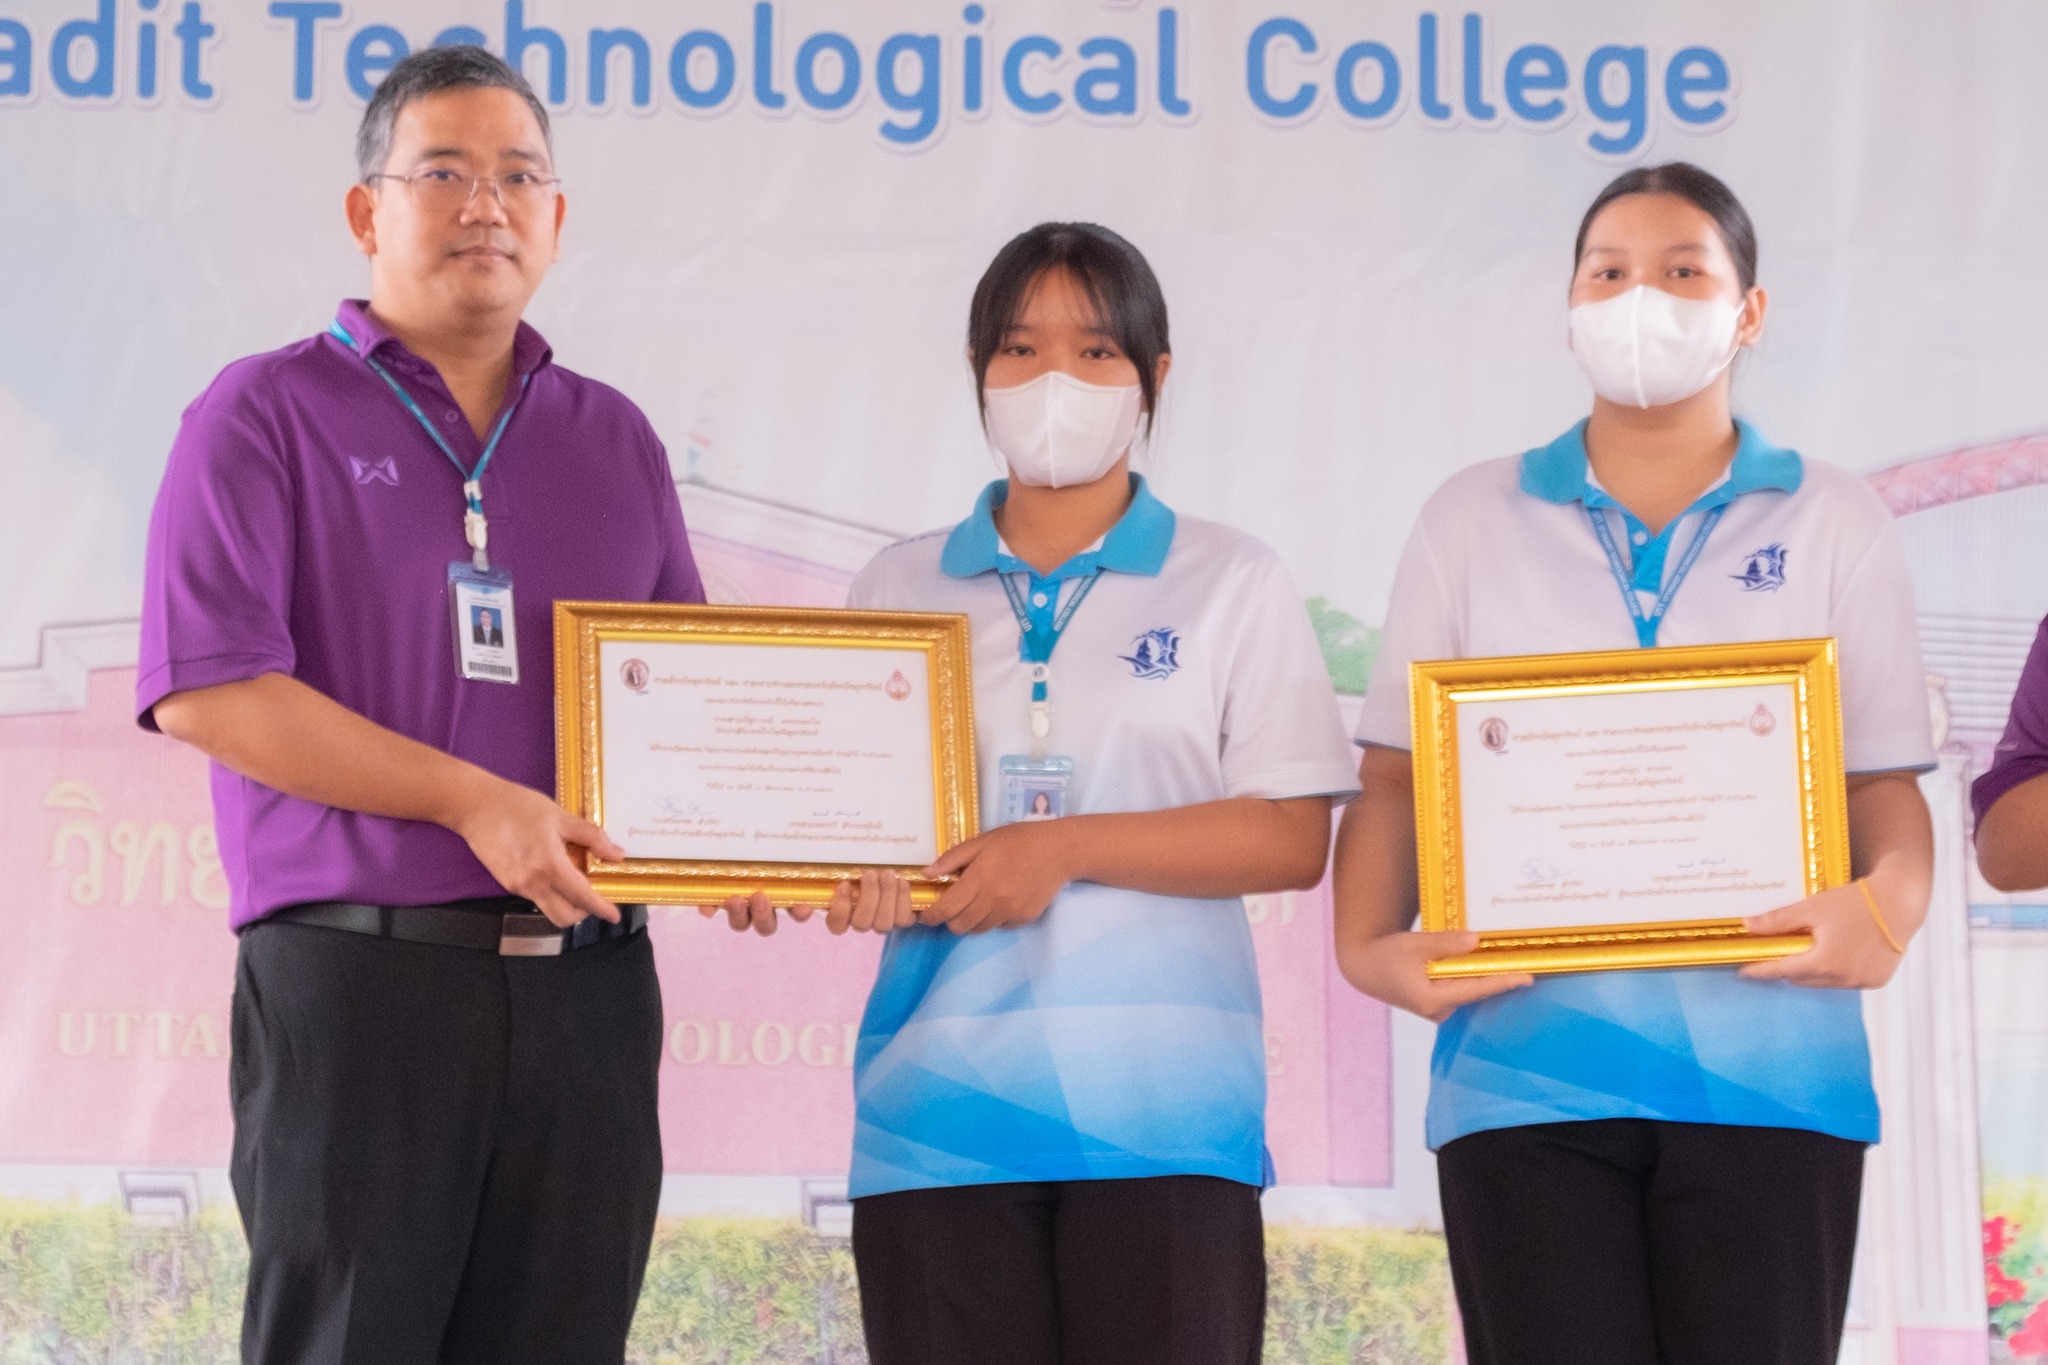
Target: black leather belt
[[507, 925]]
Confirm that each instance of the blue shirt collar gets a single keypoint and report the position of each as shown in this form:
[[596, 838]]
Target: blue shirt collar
[[1558, 472], [1136, 544]]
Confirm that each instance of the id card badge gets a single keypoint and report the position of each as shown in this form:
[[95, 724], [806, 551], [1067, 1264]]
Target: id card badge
[[1034, 788], [485, 647]]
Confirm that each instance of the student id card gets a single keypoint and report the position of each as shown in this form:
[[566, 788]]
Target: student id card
[[1035, 788], [485, 647]]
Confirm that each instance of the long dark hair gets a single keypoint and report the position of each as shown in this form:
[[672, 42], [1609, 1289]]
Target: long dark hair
[[1703, 190], [1118, 281]]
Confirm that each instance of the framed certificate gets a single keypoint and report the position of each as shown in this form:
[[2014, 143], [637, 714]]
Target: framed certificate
[[735, 749], [1584, 812]]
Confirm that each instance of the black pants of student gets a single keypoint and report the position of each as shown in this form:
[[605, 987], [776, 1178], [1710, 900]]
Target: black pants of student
[[441, 1154], [1169, 1270], [1633, 1242]]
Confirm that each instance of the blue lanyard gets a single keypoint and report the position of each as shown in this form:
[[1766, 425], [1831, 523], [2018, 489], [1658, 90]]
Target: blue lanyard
[[1646, 626], [475, 529], [1035, 647]]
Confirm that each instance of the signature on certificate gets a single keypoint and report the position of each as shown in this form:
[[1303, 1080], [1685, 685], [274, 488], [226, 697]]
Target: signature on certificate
[[1537, 870]]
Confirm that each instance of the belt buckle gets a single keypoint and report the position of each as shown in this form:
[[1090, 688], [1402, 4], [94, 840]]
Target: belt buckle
[[526, 934]]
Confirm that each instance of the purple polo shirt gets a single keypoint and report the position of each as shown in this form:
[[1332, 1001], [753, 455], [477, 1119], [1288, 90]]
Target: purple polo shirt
[[305, 526], [2022, 750]]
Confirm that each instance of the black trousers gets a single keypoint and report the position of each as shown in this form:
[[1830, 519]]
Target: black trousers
[[1633, 1242], [442, 1155], [1168, 1270]]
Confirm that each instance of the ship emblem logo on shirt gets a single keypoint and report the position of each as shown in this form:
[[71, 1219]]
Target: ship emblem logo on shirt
[[898, 686], [1763, 571], [375, 471], [1155, 654]]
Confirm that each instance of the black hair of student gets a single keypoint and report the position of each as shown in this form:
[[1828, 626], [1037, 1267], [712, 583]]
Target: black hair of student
[[429, 73], [1703, 190], [1114, 274]]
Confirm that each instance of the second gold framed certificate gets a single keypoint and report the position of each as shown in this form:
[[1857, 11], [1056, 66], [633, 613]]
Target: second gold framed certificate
[[736, 749], [1586, 812]]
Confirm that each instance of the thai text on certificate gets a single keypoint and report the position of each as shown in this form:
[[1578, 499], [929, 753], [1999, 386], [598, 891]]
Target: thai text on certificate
[[1630, 807], [722, 752]]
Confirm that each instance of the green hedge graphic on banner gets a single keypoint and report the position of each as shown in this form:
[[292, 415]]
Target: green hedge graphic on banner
[[87, 1282]]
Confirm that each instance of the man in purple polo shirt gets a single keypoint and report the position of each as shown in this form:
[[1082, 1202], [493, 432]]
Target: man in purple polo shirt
[[445, 1042], [2011, 798]]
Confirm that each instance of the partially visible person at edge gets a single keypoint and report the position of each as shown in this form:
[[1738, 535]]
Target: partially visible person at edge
[[1060, 1084], [445, 1042], [2011, 797], [1653, 1167]]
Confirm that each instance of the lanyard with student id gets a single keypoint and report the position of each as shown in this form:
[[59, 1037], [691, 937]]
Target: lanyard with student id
[[1034, 786], [479, 596], [1646, 625]]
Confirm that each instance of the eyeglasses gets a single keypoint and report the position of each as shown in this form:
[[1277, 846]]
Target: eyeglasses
[[449, 191]]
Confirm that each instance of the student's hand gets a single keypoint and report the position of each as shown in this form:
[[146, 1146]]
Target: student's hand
[[877, 903], [523, 839], [1849, 951], [1003, 878], [754, 912], [1393, 968]]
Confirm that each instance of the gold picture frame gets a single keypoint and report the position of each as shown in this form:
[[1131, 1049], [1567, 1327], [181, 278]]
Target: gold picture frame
[[1439, 689], [583, 629]]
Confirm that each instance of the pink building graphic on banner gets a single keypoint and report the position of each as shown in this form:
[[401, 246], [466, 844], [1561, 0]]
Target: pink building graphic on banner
[[114, 1046]]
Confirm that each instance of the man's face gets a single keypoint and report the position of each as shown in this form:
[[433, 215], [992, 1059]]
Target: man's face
[[454, 261]]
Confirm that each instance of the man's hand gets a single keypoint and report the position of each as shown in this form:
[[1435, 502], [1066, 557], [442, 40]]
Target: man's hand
[[1393, 968], [1849, 952], [877, 903], [280, 732], [1005, 877], [754, 912], [523, 839]]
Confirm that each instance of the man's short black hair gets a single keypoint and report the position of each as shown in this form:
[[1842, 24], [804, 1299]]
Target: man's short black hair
[[429, 73]]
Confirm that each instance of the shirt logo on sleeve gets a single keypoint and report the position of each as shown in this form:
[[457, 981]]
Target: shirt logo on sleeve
[[1763, 571], [375, 471], [1155, 654]]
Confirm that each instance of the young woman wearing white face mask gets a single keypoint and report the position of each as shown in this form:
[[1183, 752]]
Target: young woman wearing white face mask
[[1660, 1167], [1060, 1081]]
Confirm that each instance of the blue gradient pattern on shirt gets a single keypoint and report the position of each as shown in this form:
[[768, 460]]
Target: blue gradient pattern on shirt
[[1678, 1045], [1696, 1044], [1118, 1034], [1037, 1055]]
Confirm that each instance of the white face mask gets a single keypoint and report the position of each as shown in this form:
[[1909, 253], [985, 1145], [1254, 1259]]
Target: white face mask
[[1056, 431], [1646, 348]]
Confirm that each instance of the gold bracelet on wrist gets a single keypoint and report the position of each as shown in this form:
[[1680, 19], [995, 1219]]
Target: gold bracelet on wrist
[[1863, 885]]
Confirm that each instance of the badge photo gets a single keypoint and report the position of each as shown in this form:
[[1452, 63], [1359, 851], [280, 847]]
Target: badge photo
[[1034, 788], [486, 648]]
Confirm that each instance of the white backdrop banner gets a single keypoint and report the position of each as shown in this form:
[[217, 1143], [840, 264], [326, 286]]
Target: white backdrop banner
[[1362, 216]]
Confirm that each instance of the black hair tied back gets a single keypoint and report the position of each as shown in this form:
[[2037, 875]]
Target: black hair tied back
[[1703, 190]]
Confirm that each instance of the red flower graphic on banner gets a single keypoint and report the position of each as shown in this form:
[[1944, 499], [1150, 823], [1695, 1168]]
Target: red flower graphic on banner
[[2012, 1287], [2032, 1338]]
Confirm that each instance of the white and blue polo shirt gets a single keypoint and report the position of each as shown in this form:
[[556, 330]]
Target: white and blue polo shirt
[[1118, 1035], [1503, 561]]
